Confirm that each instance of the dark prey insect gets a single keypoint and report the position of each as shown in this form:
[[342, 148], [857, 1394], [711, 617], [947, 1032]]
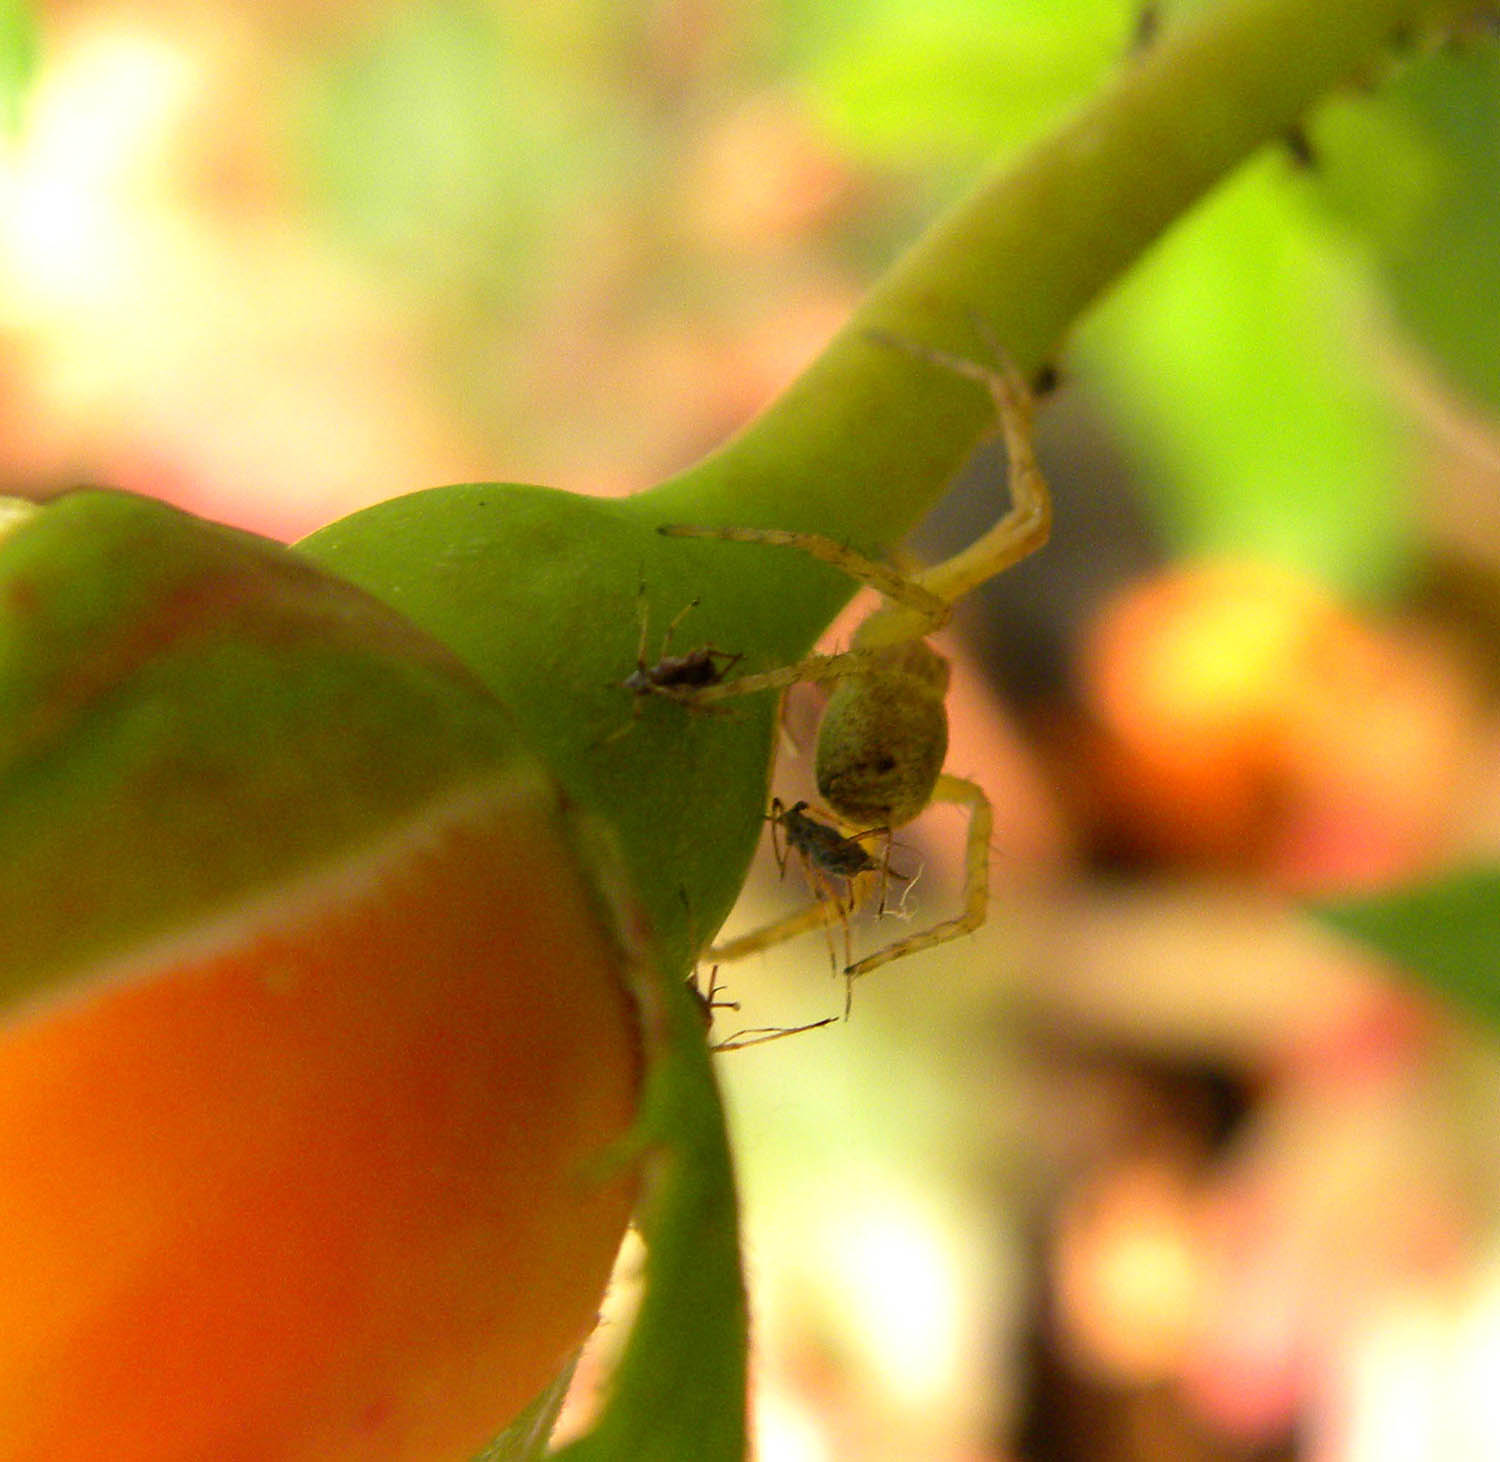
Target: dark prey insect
[[672, 677], [833, 865]]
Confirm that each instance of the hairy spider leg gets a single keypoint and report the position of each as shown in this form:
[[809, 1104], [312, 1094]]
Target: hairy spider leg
[[820, 914], [976, 879], [920, 603], [1016, 535]]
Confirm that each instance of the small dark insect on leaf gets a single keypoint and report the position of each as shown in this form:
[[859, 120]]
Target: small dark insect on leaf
[[707, 665], [672, 677]]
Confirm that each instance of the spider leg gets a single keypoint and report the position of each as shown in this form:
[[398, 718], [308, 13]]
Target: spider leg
[[839, 666], [1019, 532], [1025, 527], [819, 914], [933, 609], [976, 880], [829, 906]]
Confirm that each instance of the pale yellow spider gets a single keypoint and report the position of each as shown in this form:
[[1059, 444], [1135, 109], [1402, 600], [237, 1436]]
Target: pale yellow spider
[[884, 734]]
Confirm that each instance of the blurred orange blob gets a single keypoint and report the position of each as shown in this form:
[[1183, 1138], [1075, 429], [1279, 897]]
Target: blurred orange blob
[[328, 1179], [1129, 1274], [1247, 718]]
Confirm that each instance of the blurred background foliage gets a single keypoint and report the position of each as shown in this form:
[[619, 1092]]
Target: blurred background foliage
[[1168, 1172]]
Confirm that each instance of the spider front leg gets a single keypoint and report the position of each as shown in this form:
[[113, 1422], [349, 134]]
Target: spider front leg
[[822, 913], [918, 604], [1018, 533], [927, 610]]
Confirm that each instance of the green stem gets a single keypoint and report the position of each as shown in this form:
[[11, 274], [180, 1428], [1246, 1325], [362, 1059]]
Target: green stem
[[1026, 252]]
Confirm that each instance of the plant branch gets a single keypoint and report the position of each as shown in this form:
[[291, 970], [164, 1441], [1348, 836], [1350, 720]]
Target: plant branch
[[1026, 252]]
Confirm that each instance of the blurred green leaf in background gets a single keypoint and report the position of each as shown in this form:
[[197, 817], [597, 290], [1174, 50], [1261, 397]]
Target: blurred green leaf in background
[[18, 62], [1415, 168], [1242, 362], [1249, 362], [1446, 932], [950, 84]]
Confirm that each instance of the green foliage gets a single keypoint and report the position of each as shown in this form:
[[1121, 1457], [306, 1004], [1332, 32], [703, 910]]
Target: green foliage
[[520, 135], [949, 83], [1235, 361], [18, 62], [1245, 357], [1446, 933], [1415, 166]]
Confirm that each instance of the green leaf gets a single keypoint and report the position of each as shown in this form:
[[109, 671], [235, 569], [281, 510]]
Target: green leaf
[[958, 79], [1234, 360], [18, 63], [678, 1394], [1446, 932], [1416, 167]]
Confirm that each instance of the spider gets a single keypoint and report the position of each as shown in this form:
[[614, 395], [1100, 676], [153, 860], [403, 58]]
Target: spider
[[884, 734], [673, 677]]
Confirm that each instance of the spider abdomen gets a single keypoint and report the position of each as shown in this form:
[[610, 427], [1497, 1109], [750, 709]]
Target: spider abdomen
[[882, 743]]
